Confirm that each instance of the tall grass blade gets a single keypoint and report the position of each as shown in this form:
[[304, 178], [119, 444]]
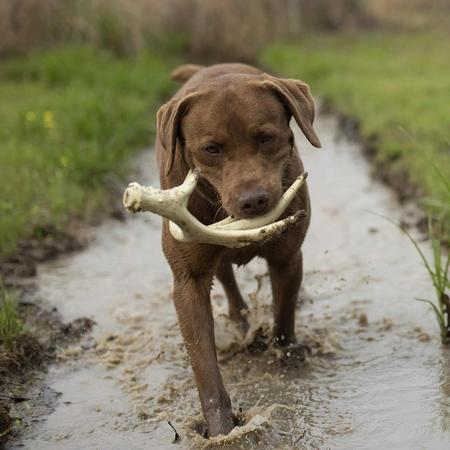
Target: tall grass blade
[[439, 316]]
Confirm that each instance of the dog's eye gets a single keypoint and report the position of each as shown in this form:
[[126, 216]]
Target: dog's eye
[[264, 138], [212, 149]]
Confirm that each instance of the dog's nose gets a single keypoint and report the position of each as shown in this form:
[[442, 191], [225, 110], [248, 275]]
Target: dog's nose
[[253, 202]]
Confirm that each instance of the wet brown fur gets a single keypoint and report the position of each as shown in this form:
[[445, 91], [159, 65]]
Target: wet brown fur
[[231, 104]]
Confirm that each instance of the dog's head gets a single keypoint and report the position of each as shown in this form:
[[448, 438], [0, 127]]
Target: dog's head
[[235, 129]]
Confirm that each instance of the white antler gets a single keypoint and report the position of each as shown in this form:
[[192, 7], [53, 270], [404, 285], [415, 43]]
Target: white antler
[[230, 232]]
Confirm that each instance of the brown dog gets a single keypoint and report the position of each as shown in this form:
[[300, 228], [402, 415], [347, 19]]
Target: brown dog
[[232, 122]]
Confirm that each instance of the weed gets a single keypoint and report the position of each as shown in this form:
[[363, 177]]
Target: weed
[[11, 327], [438, 270], [437, 267]]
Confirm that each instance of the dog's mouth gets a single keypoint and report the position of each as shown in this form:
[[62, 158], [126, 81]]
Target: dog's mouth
[[250, 214]]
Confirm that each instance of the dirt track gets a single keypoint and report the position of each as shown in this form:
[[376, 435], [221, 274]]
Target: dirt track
[[374, 378]]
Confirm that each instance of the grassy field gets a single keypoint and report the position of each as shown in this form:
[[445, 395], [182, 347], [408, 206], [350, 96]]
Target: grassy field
[[397, 85], [70, 119]]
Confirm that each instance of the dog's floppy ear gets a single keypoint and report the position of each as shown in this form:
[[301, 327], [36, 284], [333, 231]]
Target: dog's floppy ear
[[168, 119], [297, 98], [184, 72]]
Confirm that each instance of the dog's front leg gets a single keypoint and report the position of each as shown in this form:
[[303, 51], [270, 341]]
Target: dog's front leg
[[193, 305]]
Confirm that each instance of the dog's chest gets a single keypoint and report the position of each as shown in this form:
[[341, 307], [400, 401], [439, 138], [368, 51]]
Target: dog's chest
[[244, 255]]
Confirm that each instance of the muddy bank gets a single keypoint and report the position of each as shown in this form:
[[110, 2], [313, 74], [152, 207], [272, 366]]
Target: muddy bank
[[369, 373], [47, 242], [407, 193], [23, 364], [24, 395]]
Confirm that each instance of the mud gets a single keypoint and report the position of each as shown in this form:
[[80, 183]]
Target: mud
[[48, 241], [369, 372], [24, 394]]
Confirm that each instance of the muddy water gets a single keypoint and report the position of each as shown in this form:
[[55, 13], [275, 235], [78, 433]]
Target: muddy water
[[374, 375]]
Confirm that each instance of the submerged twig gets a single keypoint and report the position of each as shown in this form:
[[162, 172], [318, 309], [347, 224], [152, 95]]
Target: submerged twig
[[177, 436], [300, 437]]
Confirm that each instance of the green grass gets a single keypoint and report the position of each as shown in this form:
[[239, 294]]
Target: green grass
[[70, 119], [397, 85], [437, 268], [11, 326]]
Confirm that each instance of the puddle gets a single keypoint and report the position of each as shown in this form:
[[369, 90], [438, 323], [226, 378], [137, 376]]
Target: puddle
[[373, 377]]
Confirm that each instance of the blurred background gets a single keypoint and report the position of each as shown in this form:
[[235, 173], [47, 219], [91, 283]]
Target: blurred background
[[214, 30], [80, 81]]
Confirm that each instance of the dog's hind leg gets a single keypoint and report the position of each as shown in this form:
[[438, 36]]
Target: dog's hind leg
[[286, 278], [236, 304]]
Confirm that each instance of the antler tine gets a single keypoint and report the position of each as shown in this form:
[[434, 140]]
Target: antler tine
[[138, 198]]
